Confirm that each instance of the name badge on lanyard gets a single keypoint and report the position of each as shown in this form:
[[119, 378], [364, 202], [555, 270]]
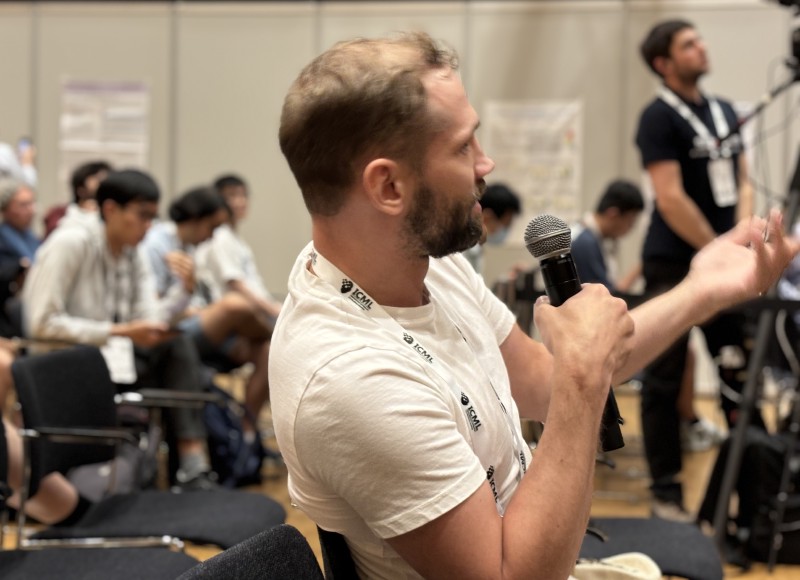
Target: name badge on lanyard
[[720, 165]]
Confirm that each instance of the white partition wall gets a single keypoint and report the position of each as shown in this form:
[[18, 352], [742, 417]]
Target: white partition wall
[[90, 42], [217, 73], [233, 67], [16, 72]]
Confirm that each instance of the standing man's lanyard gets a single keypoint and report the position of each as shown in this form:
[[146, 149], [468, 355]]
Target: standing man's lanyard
[[720, 165], [361, 303]]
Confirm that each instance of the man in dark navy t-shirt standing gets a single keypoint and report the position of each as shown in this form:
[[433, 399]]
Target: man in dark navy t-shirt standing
[[694, 160]]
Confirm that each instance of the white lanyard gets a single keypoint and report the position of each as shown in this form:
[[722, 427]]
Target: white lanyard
[[718, 118], [362, 303]]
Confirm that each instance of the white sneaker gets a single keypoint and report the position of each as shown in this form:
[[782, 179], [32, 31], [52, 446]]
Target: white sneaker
[[672, 511], [700, 435]]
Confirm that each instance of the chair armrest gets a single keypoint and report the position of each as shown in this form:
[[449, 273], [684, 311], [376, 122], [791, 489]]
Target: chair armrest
[[78, 435], [168, 398]]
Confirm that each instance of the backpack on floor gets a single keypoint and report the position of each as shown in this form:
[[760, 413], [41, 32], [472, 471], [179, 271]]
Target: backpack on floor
[[235, 461]]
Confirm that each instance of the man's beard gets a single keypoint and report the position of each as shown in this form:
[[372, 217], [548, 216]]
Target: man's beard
[[434, 232], [692, 76]]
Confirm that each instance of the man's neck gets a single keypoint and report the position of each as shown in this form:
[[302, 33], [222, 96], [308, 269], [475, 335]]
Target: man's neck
[[688, 91], [381, 269], [115, 247]]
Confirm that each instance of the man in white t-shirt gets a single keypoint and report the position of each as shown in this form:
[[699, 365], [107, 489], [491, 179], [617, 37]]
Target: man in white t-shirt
[[226, 261], [398, 381]]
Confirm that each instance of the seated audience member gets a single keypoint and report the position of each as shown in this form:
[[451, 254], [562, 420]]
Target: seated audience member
[[226, 328], [595, 238], [18, 245], [84, 183], [398, 380], [499, 206], [228, 263], [56, 502], [94, 285], [18, 208]]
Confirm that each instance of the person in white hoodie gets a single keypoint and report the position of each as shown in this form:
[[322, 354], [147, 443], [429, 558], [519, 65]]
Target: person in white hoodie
[[93, 285]]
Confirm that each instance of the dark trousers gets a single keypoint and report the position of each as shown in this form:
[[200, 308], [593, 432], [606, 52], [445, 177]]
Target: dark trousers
[[173, 364], [661, 383]]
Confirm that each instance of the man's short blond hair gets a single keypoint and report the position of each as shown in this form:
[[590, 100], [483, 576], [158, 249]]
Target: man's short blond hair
[[360, 100]]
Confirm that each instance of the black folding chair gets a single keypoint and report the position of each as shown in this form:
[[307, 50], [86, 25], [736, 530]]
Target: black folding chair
[[78, 563], [68, 407], [679, 549], [279, 553]]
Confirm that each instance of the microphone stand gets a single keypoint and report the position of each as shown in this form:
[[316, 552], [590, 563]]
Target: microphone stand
[[764, 101]]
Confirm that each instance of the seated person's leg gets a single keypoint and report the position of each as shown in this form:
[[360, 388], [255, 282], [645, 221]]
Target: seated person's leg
[[175, 364], [6, 380], [232, 314], [257, 388], [56, 501]]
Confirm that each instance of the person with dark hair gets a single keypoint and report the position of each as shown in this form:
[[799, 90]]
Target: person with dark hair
[[697, 170], [398, 379], [228, 266], [228, 261], [93, 285], [227, 329], [595, 237], [84, 182], [499, 205]]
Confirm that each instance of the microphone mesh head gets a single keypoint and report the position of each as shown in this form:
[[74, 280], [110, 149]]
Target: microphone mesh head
[[546, 236]]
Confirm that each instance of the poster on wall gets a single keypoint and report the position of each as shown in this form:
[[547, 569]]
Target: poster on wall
[[103, 120], [537, 147]]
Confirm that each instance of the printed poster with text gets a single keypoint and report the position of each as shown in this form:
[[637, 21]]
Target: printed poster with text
[[103, 120], [537, 147]]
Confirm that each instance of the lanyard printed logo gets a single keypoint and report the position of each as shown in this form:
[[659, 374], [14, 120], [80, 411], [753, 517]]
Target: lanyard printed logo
[[471, 413], [418, 348], [357, 296]]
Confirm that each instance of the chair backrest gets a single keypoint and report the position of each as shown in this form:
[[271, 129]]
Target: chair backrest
[[336, 556], [276, 554], [65, 388]]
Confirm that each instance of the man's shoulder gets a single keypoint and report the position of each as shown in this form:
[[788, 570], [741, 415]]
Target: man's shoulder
[[585, 239], [656, 110], [64, 238]]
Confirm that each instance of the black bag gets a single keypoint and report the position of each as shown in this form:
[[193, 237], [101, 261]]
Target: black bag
[[235, 461], [760, 541]]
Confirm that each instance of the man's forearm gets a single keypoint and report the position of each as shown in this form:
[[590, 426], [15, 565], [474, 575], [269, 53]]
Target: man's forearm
[[659, 323]]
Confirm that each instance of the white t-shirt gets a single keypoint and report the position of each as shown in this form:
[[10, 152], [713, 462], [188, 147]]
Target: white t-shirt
[[227, 257], [375, 441]]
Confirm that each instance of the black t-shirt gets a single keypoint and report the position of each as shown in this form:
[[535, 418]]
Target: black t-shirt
[[664, 135]]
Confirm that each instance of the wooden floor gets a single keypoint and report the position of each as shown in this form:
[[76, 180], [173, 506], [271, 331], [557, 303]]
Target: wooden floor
[[622, 492]]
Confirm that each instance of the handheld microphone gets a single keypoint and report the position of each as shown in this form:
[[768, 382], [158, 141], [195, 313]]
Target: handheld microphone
[[549, 240]]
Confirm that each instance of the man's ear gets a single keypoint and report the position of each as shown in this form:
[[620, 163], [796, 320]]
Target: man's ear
[[108, 208], [387, 185], [661, 64]]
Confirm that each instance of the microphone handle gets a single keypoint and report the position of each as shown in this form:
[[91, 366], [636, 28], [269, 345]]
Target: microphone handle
[[561, 282]]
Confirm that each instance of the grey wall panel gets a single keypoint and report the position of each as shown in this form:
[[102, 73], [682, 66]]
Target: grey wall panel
[[553, 50], [344, 20], [218, 73], [113, 42], [16, 35], [234, 66]]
